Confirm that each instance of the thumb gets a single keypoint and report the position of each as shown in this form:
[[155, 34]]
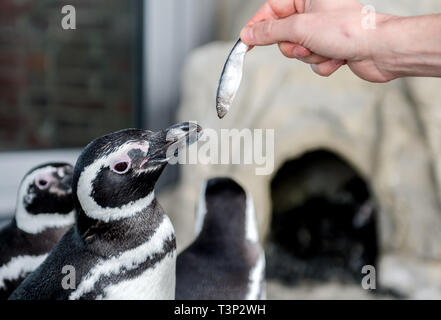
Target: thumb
[[268, 32]]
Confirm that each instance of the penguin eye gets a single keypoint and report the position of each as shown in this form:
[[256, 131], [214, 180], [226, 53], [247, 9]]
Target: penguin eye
[[121, 167], [42, 184]]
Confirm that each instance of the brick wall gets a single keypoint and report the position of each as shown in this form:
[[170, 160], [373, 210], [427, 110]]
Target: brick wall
[[62, 88]]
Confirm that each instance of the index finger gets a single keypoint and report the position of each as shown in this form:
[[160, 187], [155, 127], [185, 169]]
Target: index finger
[[274, 9], [265, 12]]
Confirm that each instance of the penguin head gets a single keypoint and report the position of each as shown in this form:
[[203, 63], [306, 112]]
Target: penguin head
[[115, 175], [45, 198], [225, 209]]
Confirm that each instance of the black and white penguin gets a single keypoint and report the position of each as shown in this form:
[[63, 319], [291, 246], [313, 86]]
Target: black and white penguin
[[226, 261], [123, 244], [44, 212]]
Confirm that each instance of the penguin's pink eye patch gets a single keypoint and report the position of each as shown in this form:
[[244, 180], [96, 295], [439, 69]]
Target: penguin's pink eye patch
[[44, 180], [121, 165], [42, 184]]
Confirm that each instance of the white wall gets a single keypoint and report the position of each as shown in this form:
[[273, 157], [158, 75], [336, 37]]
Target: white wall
[[171, 30]]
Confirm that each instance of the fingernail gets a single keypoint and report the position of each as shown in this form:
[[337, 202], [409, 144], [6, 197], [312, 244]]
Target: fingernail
[[299, 53], [314, 67], [249, 34]]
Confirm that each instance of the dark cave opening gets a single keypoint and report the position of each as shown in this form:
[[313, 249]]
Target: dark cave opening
[[323, 224]]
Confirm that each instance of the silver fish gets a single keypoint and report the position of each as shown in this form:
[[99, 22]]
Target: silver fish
[[230, 78]]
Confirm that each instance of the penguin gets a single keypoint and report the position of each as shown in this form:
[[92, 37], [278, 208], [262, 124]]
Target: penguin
[[122, 246], [226, 260], [44, 212]]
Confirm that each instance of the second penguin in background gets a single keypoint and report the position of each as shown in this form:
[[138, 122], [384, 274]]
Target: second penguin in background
[[44, 212], [226, 261]]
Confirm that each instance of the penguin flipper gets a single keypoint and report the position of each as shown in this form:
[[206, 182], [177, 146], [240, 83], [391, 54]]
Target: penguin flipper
[[48, 281]]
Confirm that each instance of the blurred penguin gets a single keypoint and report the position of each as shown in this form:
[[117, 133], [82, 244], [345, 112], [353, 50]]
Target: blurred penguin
[[44, 212], [226, 260]]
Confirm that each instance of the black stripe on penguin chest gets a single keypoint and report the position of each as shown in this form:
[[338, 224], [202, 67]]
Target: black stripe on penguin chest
[[114, 238], [10, 285], [15, 242], [168, 248]]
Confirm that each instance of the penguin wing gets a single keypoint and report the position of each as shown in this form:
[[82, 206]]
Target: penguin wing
[[10, 272], [20, 254], [8, 239], [57, 277], [16, 242]]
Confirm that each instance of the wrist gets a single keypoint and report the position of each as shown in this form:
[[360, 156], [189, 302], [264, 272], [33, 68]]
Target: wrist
[[407, 46], [380, 50]]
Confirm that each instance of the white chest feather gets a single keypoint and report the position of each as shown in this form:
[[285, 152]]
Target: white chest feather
[[19, 267], [156, 282], [256, 286]]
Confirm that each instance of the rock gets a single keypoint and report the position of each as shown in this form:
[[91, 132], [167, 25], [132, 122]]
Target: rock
[[376, 128], [414, 278]]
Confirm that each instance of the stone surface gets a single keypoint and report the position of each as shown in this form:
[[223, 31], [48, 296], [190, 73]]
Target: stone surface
[[414, 278], [376, 128]]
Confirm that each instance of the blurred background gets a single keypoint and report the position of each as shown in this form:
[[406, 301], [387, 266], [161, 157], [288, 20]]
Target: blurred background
[[358, 166]]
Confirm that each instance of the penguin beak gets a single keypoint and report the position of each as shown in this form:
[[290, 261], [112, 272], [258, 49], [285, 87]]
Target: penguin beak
[[172, 139], [57, 182], [65, 175], [66, 183], [184, 134]]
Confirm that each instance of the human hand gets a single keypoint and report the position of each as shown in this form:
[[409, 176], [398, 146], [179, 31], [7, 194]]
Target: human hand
[[326, 34]]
